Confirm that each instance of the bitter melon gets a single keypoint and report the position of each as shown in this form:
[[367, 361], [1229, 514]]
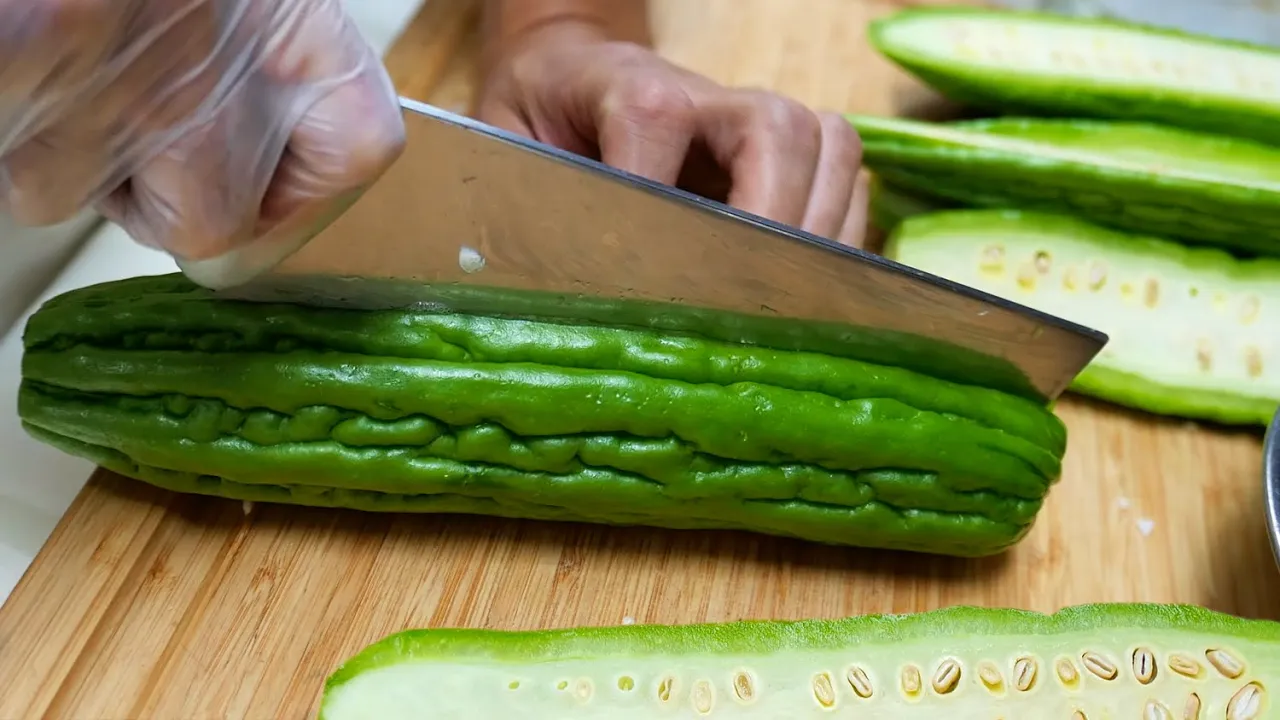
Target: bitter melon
[[1194, 332], [439, 411], [1030, 63], [888, 205], [1202, 189], [1082, 663]]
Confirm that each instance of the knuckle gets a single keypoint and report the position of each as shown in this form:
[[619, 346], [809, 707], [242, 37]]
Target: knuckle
[[192, 233], [646, 96], [523, 69], [841, 137], [374, 149], [785, 116]]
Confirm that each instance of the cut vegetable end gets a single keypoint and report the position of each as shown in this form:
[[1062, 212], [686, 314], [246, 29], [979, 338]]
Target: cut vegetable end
[[1101, 67], [1098, 661], [1194, 332]]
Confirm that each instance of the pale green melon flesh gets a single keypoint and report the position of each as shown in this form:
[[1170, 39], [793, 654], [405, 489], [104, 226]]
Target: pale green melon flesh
[[1192, 320], [1121, 55], [1105, 662]]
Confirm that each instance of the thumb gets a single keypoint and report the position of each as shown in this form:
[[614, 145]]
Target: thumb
[[645, 123]]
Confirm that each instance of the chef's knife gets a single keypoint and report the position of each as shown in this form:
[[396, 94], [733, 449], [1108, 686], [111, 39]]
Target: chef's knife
[[467, 204]]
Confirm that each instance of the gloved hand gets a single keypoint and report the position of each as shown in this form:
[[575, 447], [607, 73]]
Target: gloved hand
[[225, 132], [568, 85]]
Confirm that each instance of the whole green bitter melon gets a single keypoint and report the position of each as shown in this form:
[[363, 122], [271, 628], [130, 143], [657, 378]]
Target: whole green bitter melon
[[1081, 663], [1198, 188], [434, 411], [1194, 331], [1035, 63]]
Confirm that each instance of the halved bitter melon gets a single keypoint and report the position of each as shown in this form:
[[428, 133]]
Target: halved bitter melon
[[1202, 189], [1024, 62], [1088, 662], [1194, 332], [423, 410], [888, 205]]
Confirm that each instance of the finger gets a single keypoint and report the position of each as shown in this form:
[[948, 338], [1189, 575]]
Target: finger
[[770, 145], [50, 177], [48, 47], [645, 124], [198, 198], [346, 126], [184, 60], [147, 95], [345, 142], [854, 229], [503, 116], [343, 129], [833, 182]]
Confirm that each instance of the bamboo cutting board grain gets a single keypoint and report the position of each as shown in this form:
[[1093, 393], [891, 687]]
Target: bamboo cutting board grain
[[146, 604]]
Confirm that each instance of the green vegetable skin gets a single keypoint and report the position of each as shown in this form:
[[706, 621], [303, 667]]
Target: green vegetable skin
[[1028, 63], [433, 412], [1199, 188], [887, 205], [1195, 332], [1097, 661]]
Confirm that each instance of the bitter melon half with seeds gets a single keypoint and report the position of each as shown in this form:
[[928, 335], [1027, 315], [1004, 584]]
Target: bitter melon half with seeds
[[1089, 662], [1194, 332], [1201, 189], [425, 410], [1022, 62]]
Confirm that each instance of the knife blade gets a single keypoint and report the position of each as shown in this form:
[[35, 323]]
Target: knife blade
[[470, 206]]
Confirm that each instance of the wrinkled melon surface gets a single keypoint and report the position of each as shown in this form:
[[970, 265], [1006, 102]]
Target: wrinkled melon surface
[[431, 411]]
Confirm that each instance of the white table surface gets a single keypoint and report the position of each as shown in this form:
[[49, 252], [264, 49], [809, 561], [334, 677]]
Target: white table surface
[[38, 483]]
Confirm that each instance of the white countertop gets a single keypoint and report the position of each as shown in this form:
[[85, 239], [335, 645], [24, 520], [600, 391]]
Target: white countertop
[[38, 483]]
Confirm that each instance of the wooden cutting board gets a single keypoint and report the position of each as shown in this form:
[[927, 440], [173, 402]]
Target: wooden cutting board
[[146, 604]]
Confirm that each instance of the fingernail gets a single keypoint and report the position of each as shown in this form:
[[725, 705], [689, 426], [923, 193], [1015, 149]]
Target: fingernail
[[242, 264]]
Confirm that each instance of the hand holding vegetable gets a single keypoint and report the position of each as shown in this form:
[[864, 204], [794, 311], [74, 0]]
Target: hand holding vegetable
[[572, 84], [222, 131]]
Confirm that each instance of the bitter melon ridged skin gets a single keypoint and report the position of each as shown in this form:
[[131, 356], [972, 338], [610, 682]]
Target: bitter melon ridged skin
[[888, 205], [1097, 661], [1201, 189], [1195, 332], [429, 411], [1018, 62]]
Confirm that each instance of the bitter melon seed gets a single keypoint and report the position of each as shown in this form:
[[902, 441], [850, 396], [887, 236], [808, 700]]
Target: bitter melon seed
[[1086, 662]]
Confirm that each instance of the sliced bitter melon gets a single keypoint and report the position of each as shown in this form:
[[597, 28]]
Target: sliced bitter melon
[[1194, 332], [888, 205], [1021, 62], [432, 411], [1083, 663], [1203, 189]]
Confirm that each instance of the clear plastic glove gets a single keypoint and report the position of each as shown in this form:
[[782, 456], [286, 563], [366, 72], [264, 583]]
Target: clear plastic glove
[[225, 132]]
